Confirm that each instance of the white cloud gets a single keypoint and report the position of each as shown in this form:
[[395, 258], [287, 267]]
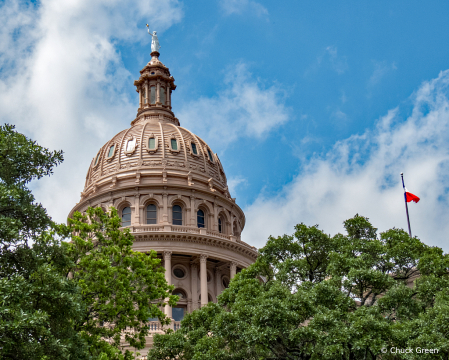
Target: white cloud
[[381, 68], [329, 57], [242, 6], [235, 182], [362, 175], [62, 78], [244, 108]]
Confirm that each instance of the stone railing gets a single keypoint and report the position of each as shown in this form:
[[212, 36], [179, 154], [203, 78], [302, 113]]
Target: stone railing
[[155, 327], [187, 230]]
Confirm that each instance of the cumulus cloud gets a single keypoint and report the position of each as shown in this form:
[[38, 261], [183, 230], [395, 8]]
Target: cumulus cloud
[[244, 108], [242, 6], [362, 175], [62, 78]]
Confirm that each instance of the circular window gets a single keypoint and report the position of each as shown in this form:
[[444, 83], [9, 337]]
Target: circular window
[[179, 273]]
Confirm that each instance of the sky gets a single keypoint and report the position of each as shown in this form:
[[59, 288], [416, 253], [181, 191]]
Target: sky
[[314, 108]]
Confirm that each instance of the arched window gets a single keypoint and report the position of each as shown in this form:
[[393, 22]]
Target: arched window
[[200, 218], [177, 215], [220, 226], [194, 150], [151, 214], [151, 143], [152, 95], [126, 216]]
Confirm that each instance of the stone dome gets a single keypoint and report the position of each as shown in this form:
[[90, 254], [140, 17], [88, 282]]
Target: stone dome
[[151, 150], [171, 191]]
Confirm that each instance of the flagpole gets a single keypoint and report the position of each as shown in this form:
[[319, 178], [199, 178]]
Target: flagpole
[[406, 207]]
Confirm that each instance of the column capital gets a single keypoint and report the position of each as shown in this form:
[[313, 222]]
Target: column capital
[[203, 258], [167, 255]]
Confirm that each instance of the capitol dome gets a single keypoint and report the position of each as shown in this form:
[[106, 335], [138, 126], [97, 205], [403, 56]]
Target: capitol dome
[[170, 190]]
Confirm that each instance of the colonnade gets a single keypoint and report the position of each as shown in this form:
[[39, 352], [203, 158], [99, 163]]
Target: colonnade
[[194, 279]]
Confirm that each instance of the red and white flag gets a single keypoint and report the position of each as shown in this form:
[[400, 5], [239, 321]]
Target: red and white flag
[[410, 197]]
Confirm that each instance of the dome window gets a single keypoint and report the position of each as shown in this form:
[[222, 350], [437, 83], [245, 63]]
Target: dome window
[[151, 214], [96, 159], [210, 155], [152, 144], [130, 146], [152, 95], [111, 151], [177, 215], [194, 149], [220, 226], [200, 218], [126, 216], [174, 144]]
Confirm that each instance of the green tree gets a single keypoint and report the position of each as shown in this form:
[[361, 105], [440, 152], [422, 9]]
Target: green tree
[[121, 288], [37, 302], [312, 296]]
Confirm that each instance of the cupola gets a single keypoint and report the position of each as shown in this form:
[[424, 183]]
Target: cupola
[[155, 86]]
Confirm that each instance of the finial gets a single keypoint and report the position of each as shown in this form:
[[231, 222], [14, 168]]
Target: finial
[[154, 41]]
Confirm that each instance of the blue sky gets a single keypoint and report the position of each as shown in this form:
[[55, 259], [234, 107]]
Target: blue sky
[[313, 107]]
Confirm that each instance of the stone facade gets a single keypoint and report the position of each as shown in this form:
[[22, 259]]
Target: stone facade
[[171, 191]]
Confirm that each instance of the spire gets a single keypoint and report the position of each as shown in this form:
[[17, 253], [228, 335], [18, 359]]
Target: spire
[[155, 84]]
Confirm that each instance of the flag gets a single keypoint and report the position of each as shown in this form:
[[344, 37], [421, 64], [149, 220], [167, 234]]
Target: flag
[[410, 197]]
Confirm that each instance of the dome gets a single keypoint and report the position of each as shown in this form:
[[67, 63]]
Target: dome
[[170, 190], [152, 151]]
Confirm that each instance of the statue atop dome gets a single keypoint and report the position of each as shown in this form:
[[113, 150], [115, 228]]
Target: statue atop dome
[[154, 41]]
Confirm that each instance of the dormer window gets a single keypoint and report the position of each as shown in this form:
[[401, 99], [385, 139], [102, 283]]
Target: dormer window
[[194, 149], [174, 144], [96, 159], [131, 145], [210, 155], [111, 151], [151, 144]]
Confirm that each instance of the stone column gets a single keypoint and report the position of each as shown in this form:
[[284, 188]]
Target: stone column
[[217, 281], [147, 93], [203, 279], [168, 95], [167, 265], [233, 269], [158, 92], [192, 211], [194, 285], [140, 97], [137, 209], [165, 210]]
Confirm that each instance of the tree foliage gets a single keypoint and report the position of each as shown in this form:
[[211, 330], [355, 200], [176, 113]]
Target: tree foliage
[[313, 296], [121, 288], [67, 300]]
